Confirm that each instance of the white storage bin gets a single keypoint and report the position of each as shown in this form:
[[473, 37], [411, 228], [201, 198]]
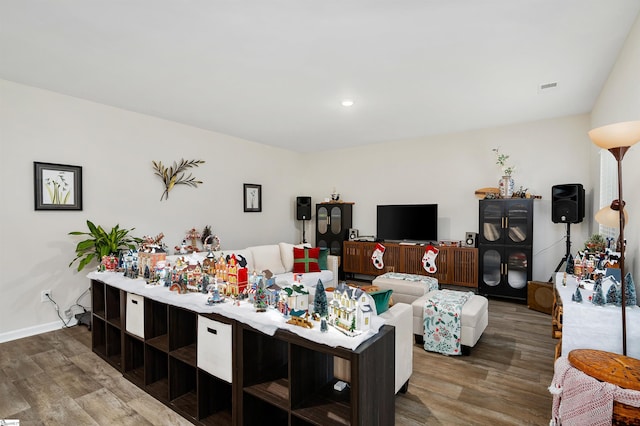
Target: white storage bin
[[135, 314], [214, 347]]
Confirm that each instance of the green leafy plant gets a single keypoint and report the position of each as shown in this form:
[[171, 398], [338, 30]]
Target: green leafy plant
[[101, 243], [501, 160]]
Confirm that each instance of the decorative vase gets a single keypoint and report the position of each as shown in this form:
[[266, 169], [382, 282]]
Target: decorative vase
[[506, 185]]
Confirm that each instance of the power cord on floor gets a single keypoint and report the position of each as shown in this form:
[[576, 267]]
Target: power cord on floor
[[69, 312], [65, 324]]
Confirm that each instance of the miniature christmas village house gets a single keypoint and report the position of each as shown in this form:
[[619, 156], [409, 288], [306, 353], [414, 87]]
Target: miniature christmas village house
[[209, 264], [350, 311], [147, 259], [235, 274], [221, 269], [194, 276], [297, 298]]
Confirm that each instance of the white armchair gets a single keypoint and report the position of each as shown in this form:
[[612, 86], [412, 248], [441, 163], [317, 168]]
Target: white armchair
[[400, 316]]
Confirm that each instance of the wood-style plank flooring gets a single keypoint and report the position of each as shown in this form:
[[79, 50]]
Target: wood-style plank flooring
[[55, 379]]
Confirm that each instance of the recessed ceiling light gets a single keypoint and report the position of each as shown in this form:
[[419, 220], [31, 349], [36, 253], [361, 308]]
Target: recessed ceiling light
[[347, 103]]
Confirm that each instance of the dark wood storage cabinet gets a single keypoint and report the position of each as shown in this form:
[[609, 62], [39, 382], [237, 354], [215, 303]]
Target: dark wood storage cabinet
[[282, 379], [456, 265], [505, 241], [333, 221]]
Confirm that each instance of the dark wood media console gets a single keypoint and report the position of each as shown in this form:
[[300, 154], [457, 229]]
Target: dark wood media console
[[456, 265], [282, 379]]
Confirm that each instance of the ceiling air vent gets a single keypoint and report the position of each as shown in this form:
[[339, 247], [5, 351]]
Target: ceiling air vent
[[547, 87]]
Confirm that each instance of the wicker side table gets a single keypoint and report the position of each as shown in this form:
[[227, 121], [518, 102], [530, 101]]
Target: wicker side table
[[612, 368]]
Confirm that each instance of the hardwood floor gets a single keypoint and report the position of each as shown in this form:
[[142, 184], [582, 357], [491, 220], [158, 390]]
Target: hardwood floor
[[55, 379]]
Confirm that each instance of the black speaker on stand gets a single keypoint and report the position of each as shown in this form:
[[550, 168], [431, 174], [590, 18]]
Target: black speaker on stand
[[303, 212], [567, 206]]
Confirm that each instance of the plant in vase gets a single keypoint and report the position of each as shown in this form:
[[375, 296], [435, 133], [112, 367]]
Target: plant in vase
[[506, 183], [103, 245]]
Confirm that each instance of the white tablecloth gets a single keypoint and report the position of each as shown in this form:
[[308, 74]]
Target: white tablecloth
[[267, 322], [588, 326]]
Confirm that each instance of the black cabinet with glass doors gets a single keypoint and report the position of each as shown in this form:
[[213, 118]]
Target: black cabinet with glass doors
[[333, 221], [505, 241]]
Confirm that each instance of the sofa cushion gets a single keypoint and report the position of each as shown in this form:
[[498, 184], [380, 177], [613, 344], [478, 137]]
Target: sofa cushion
[[322, 258], [286, 254], [305, 260], [309, 280], [267, 257], [381, 299]]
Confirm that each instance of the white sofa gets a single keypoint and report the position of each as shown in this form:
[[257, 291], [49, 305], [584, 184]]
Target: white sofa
[[278, 258]]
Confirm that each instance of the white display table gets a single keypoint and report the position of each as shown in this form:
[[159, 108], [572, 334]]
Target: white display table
[[588, 326]]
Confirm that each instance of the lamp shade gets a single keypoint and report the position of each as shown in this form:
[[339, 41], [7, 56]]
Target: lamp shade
[[616, 135], [610, 215]]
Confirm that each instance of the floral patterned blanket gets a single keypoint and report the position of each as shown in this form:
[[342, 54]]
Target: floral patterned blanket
[[442, 315], [430, 283]]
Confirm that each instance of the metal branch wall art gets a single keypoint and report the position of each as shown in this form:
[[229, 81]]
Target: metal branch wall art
[[176, 175]]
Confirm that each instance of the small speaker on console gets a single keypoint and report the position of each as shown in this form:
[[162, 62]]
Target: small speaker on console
[[303, 208], [353, 234], [471, 239], [567, 203]]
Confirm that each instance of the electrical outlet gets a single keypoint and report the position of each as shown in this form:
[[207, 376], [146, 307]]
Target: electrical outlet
[[44, 294]]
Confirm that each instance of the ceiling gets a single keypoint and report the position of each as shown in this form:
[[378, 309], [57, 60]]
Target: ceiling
[[275, 72]]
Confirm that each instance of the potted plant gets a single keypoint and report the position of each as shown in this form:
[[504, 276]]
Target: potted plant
[[595, 243], [101, 243]]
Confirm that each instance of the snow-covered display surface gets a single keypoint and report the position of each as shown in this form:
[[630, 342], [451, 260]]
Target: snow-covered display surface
[[267, 322], [589, 326]]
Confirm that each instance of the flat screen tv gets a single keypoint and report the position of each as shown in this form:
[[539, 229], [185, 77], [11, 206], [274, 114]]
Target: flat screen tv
[[407, 222]]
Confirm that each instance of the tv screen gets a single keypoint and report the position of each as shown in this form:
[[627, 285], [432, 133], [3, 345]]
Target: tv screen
[[407, 222]]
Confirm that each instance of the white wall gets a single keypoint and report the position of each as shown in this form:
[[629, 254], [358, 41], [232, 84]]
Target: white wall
[[115, 149], [620, 101], [448, 169]]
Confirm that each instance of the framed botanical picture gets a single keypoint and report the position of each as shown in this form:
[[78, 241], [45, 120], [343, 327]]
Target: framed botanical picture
[[252, 197], [57, 186]]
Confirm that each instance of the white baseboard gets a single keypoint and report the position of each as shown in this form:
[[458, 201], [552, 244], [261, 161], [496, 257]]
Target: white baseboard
[[32, 331]]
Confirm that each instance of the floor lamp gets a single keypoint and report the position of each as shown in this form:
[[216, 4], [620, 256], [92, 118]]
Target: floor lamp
[[617, 139]]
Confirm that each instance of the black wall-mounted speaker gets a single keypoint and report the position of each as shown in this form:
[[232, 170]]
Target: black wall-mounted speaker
[[567, 203], [471, 239], [303, 208]]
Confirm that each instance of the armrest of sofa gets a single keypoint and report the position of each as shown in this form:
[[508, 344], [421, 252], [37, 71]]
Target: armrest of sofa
[[333, 263], [400, 316]]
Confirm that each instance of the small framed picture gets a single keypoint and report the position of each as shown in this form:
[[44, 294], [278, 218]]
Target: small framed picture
[[252, 197], [57, 186]]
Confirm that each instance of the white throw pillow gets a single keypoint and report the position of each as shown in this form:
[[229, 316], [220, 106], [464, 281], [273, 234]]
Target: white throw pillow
[[267, 257], [286, 253]]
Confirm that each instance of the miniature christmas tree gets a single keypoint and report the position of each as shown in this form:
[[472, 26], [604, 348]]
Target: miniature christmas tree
[[577, 296], [570, 264], [260, 304], [598, 297], [353, 324], [613, 295], [630, 290], [320, 300]]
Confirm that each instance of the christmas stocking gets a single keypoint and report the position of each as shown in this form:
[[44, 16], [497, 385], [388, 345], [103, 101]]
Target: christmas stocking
[[376, 257], [429, 259]]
